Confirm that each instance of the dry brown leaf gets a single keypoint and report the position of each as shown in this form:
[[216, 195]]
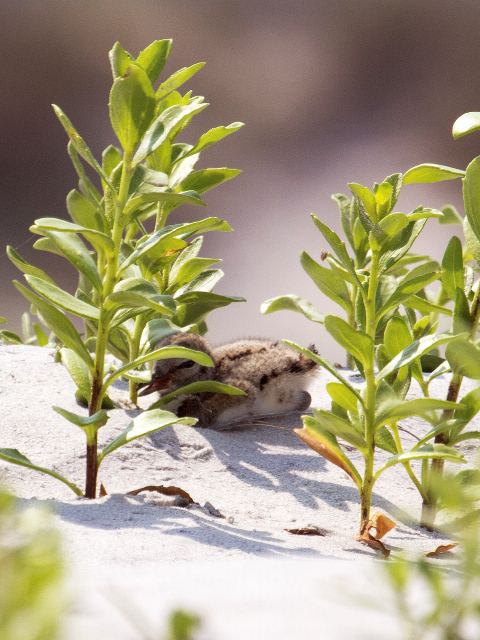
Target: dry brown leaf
[[103, 492], [440, 550], [323, 450], [381, 523], [308, 531], [373, 543], [166, 491]]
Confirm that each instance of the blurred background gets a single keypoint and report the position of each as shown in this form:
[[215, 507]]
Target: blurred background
[[331, 92]]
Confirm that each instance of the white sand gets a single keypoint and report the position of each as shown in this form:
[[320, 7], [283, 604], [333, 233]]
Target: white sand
[[244, 574]]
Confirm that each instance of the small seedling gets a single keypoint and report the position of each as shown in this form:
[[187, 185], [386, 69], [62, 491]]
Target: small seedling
[[138, 278]]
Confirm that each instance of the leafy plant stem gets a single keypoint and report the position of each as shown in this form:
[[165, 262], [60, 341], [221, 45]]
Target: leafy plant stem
[[370, 394], [429, 506], [134, 352], [98, 393], [406, 464]]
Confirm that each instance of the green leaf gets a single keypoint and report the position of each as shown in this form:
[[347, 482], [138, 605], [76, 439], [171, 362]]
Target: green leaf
[[462, 321], [99, 240], [25, 267], [203, 386], [162, 304], [385, 440], [452, 268], [407, 286], [340, 428], [154, 57], [169, 198], [193, 306], [145, 424], [329, 282], [357, 343], [88, 424], [111, 158], [177, 79], [425, 173], [206, 179], [346, 215], [74, 250], [396, 409], [120, 60], [425, 306], [164, 353], [326, 365], [336, 244], [213, 136], [9, 337], [341, 395], [61, 298], [428, 452], [471, 195], [132, 106], [450, 215], [189, 229], [82, 211], [165, 125], [396, 337], [414, 351], [402, 245], [291, 303], [58, 323], [465, 124], [79, 372], [464, 358], [85, 184], [392, 224], [79, 143], [367, 198], [15, 457], [188, 270]]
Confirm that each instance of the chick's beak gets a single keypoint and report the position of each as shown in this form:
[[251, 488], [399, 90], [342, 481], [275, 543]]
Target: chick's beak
[[157, 384]]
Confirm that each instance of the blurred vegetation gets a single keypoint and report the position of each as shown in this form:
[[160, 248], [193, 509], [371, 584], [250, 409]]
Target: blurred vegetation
[[440, 599], [32, 598]]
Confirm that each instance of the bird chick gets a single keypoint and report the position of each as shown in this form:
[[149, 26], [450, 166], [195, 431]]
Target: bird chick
[[273, 376]]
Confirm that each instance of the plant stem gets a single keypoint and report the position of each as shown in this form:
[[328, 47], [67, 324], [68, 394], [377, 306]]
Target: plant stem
[[429, 506], [103, 330], [370, 394], [134, 352]]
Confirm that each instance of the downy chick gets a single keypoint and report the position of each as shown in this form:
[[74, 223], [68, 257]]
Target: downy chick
[[273, 376]]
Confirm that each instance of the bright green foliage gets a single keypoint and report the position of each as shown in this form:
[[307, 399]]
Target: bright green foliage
[[32, 593], [387, 329], [139, 278]]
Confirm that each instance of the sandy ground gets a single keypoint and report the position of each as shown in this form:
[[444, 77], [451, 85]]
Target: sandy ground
[[132, 559]]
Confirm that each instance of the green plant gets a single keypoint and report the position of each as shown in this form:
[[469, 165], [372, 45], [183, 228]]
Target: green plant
[[135, 285], [434, 603], [33, 333], [460, 284], [32, 596], [380, 286]]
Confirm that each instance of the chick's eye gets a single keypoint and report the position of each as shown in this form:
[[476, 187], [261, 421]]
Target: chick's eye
[[186, 365]]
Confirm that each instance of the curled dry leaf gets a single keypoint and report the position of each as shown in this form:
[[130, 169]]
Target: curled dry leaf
[[440, 550], [381, 523], [166, 491], [103, 492], [308, 531], [373, 543]]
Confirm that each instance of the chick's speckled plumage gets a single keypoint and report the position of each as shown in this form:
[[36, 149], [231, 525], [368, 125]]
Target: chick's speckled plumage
[[273, 376]]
